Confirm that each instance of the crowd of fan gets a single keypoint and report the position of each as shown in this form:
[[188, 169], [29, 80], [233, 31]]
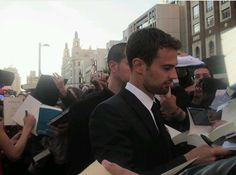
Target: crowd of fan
[[70, 143]]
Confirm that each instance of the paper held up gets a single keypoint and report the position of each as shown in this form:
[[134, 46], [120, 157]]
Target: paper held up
[[42, 113]]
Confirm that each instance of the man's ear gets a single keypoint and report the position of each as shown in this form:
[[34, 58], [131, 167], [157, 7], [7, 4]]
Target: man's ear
[[138, 65], [113, 66]]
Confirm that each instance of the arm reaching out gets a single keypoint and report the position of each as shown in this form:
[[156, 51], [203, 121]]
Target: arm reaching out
[[12, 150], [115, 169], [59, 82]]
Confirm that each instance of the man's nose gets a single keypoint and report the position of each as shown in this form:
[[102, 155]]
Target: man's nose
[[173, 74]]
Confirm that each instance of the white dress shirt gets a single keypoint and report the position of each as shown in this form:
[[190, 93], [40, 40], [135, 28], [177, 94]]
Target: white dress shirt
[[143, 98]]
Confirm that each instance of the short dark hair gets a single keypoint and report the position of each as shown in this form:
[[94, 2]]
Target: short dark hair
[[204, 66], [145, 43], [117, 52]]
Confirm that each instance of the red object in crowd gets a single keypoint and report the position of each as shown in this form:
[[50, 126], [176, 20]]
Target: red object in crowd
[[1, 91]]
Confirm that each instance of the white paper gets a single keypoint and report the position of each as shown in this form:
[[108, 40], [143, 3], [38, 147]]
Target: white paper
[[229, 111], [10, 106], [30, 104], [173, 132], [220, 100], [95, 169]]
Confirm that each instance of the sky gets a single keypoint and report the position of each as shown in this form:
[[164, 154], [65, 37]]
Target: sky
[[26, 23]]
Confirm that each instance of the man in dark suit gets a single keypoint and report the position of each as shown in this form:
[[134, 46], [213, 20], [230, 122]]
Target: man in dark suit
[[127, 128], [79, 154]]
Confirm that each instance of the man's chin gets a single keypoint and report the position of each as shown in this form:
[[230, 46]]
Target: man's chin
[[162, 91], [165, 90]]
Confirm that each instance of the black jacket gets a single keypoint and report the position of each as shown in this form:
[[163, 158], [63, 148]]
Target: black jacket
[[79, 154], [122, 131]]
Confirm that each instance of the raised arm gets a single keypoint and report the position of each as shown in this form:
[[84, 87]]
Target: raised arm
[[14, 151]]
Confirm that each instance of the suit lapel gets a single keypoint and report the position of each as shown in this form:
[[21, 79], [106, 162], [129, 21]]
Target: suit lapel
[[140, 110]]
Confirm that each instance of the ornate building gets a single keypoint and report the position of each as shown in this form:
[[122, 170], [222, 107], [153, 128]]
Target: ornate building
[[208, 22], [32, 81], [82, 63]]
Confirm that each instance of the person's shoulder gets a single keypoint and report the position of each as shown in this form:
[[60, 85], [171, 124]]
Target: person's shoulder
[[117, 99], [114, 102], [94, 98], [96, 95]]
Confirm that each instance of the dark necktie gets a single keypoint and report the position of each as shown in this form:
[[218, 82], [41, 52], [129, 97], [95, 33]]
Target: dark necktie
[[156, 113], [163, 138], [163, 135], [157, 116]]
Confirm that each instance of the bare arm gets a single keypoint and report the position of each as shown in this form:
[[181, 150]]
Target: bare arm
[[14, 151], [59, 82]]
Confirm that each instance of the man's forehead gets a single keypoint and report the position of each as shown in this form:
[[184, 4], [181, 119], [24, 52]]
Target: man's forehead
[[201, 70]]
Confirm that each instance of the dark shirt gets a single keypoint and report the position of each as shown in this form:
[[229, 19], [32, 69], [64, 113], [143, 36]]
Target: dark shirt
[[79, 153]]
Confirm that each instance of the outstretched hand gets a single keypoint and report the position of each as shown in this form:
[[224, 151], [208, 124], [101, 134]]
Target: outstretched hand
[[115, 169], [59, 82], [207, 154]]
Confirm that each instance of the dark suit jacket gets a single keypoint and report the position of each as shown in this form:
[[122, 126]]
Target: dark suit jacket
[[79, 154], [122, 131]]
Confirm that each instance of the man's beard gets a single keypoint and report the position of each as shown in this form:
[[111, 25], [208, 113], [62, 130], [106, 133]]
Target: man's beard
[[156, 90]]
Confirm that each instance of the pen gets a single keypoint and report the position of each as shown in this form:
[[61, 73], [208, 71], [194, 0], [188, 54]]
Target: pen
[[26, 112], [230, 135], [207, 140]]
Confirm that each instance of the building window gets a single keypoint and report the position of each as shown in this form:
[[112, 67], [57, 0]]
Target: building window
[[210, 21], [211, 48], [195, 11], [225, 13], [223, 2], [76, 44], [209, 6], [196, 28], [197, 52]]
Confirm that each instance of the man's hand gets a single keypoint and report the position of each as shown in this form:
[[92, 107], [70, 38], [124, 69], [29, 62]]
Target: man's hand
[[168, 104], [170, 109], [206, 154], [115, 169], [198, 95]]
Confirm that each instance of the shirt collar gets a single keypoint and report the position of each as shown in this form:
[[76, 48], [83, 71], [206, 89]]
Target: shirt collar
[[144, 98]]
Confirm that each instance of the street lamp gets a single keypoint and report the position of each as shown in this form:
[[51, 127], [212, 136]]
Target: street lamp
[[41, 45]]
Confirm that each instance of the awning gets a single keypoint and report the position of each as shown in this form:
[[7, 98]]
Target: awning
[[188, 61]]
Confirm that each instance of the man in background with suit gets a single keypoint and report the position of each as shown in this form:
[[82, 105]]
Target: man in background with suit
[[127, 128], [79, 154]]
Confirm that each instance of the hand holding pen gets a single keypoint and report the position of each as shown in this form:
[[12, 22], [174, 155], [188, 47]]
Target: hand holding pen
[[207, 140], [29, 120]]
